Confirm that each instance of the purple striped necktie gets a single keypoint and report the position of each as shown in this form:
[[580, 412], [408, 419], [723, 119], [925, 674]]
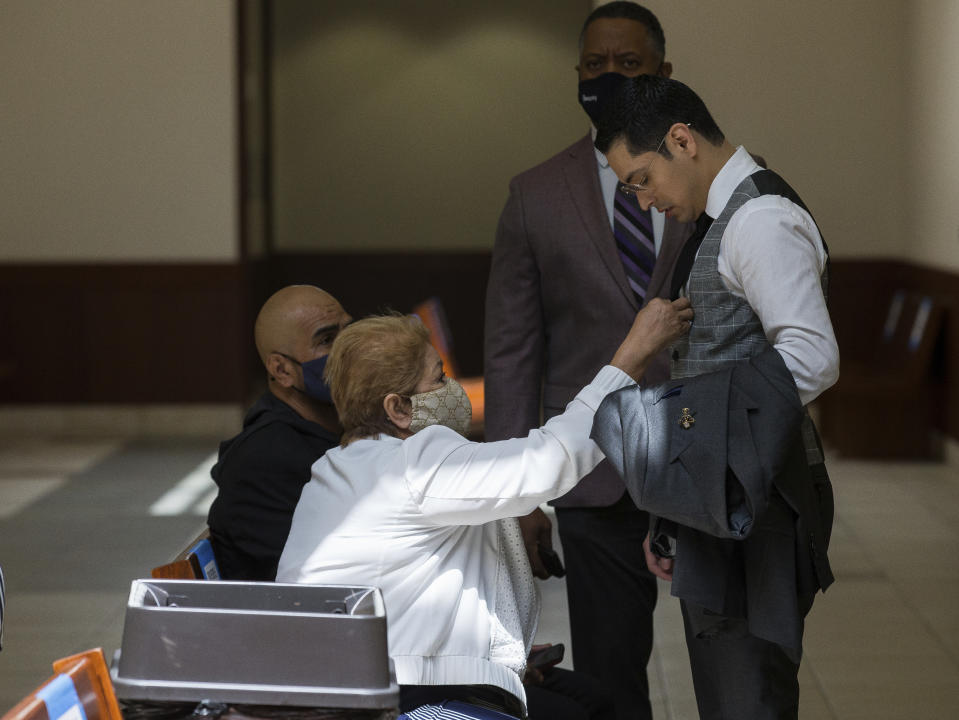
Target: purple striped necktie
[[633, 230]]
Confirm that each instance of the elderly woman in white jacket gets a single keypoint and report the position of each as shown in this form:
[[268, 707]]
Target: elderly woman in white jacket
[[408, 504]]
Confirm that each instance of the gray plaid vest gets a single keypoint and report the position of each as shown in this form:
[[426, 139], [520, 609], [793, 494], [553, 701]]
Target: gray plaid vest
[[725, 329]]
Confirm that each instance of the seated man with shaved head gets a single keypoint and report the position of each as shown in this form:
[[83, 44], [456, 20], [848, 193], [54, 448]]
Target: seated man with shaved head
[[261, 471]]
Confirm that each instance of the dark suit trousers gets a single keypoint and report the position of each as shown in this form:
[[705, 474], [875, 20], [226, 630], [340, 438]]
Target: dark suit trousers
[[611, 599], [568, 695], [737, 675]]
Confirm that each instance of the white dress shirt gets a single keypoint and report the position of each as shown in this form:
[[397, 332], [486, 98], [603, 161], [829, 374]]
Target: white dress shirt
[[772, 255]]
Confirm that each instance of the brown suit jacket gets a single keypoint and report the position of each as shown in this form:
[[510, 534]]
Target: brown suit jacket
[[558, 303]]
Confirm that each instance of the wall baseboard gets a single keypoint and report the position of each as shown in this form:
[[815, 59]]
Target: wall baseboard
[[154, 335], [372, 282], [124, 333]]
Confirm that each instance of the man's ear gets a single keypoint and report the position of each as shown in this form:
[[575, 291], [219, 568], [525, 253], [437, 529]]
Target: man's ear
[[398, 410], [281, 370], [665, 69], [683, 138]]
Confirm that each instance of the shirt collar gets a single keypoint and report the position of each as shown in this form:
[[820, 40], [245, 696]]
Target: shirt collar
[[740, 166], [600, 158]]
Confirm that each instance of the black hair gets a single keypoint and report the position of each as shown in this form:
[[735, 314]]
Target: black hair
[[643, 109], [629, 11]]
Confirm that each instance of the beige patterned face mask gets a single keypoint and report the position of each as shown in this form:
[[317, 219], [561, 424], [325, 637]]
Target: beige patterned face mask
[[448, 405]]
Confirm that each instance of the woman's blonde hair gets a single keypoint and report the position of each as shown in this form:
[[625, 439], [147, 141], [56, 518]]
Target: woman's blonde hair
[[370, 359]]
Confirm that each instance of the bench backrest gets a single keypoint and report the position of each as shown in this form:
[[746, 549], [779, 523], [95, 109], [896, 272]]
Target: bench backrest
[[80, 689], [909, 335], [195, 563]]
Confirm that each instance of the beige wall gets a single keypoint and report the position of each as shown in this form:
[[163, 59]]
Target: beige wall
[[398, 126], [117, 130], [930, 200], [400, 131]]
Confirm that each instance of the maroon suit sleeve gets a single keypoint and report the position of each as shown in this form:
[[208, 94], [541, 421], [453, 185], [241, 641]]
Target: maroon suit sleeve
[[514, 336]]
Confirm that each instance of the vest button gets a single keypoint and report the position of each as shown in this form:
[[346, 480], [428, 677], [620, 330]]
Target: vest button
[[675, 354]]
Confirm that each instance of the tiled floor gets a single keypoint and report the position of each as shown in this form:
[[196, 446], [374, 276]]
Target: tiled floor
[[883, 643]]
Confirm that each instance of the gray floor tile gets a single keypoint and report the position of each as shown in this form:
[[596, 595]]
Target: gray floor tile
[[16, 494], [69, 555], [866, 703], [813, 703], [52, 456], [883, 642]]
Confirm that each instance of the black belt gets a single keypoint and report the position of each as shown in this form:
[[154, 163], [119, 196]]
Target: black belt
[[488, 696]]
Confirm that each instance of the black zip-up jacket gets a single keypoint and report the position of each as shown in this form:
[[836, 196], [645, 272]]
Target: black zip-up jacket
[[261, 473]]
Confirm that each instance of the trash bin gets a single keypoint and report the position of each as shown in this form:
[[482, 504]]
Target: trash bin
[[283, 648]]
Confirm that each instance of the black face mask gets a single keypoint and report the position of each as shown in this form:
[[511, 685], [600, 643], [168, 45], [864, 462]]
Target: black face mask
[[596, 94]]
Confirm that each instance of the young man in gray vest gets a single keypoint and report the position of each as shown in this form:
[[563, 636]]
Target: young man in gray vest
[[756, 273]]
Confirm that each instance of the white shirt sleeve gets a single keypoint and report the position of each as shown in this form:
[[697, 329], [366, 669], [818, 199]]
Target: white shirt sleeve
[[457, 482], [772, 255]]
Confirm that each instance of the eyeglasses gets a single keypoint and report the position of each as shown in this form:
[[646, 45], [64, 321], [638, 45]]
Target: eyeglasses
[[640, 187]]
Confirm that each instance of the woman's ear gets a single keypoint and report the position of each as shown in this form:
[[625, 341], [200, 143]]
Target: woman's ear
[[398, 410]]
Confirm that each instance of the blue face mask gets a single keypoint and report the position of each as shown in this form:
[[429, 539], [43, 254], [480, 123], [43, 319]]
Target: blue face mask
[[596, 94], [315, 385]]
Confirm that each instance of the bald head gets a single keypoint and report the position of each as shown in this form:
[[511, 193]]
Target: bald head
[[299, 321]]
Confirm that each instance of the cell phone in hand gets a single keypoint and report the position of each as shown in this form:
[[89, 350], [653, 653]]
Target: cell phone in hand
[[551, 561], [546, 656]]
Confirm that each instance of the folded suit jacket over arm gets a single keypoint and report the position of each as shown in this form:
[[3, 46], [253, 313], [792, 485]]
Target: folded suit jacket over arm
[[690, 474], [735, 471]]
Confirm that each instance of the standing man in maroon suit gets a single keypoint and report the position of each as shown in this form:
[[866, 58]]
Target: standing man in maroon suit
[[572, 266]]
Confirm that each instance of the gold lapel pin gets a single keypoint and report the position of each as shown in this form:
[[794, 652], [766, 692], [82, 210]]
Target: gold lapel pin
[[686, 420]]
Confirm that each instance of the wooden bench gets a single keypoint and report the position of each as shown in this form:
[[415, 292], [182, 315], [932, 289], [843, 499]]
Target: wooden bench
[[884, 405], [80, 689]]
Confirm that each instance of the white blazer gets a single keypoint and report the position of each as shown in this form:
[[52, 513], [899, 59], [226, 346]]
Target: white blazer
[[416, 518]]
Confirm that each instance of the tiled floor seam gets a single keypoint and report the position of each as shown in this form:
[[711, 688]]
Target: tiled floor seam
[[820, 686]]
